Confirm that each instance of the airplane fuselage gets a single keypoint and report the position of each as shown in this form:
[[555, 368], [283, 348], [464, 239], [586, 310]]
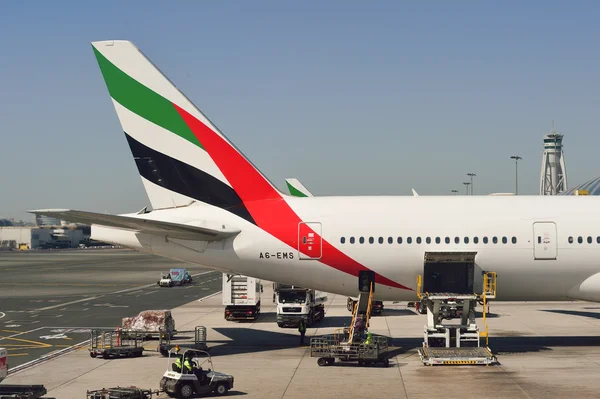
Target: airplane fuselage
[[532, 242]]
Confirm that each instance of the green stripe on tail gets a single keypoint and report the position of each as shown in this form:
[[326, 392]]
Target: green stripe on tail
[[142, 101]]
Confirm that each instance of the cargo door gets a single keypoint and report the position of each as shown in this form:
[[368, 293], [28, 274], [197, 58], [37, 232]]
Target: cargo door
[[309, 240], [545, 245]]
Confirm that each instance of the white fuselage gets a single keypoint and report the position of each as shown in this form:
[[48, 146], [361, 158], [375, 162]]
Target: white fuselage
[[542, 265]]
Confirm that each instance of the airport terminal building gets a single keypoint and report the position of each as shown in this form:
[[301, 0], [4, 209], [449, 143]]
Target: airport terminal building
[[27, 237], [590, 187]]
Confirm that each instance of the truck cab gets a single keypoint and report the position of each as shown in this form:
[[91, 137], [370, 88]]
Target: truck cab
[[297, 303]]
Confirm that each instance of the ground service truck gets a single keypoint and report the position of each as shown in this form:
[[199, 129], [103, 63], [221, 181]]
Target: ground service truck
[[297, 303], [241, 297]]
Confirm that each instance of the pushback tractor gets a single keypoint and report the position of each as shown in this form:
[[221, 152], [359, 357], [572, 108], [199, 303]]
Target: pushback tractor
[[450, 288]]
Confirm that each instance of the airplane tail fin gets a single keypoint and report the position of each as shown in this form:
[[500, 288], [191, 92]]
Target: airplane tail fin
[[296, 188], [180, 154]]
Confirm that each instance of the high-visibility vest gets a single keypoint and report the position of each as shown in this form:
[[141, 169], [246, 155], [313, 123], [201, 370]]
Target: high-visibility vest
[[187, 364], [301, 326]]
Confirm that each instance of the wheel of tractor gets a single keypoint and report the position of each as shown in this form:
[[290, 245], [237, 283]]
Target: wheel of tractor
[[185, 390], [221, 389]]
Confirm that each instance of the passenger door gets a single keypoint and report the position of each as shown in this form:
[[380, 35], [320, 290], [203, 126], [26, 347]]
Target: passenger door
[[545, 245], [309, 240]]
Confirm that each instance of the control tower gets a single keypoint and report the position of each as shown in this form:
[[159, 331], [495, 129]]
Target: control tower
[[553, 179]]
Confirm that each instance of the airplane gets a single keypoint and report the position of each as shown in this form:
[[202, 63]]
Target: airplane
[[212, 206], [296, 188]]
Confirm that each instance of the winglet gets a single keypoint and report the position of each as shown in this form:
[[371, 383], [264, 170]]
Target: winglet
[[414, 192]]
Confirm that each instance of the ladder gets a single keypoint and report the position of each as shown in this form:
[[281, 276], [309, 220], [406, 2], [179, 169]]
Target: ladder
[[363, 306]]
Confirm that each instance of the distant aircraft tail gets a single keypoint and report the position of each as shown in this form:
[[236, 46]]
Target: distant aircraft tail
[[180, 154], [296, 188]]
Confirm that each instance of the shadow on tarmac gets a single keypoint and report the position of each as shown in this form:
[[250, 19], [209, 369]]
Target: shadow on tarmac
[[245, 340], [593, 315]]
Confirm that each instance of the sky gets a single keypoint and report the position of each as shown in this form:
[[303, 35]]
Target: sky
[[352, 98]]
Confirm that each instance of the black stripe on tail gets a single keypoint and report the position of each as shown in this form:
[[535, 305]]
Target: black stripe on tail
[[184, 179]]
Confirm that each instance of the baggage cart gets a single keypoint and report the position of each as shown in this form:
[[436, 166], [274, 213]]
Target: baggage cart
[[121, 393], [116, 343], [194, 339], [329, 348]]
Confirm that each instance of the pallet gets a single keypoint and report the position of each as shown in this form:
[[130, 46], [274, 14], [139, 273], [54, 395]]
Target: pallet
[[457, 356]]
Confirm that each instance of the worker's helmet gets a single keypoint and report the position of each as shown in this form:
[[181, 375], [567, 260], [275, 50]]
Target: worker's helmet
[[177, 348]]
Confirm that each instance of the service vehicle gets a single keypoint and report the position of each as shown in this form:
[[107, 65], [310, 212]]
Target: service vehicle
[[185, 384], [241, 297], [296, 303]]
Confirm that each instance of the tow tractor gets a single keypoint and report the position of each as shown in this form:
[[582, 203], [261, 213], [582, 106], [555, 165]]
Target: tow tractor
[[350, 344], [451, 288], [185, 384]]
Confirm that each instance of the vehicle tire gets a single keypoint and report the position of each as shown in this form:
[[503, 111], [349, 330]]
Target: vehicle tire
[[386, 363], [185, 390], [322, 361], [330, 361], [92, 354], [281, 325], [221, 389]]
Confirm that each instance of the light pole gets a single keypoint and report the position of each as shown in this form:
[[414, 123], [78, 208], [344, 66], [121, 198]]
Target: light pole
[[471, 175], [516, 158], [467, 185], [454, 192]]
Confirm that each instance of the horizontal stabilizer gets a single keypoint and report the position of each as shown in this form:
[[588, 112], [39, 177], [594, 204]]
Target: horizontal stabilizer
[[143, 225], [296, 188]]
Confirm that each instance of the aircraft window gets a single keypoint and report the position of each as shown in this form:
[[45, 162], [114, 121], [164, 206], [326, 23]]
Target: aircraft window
[[351, 240], [580, 239], [598, 239], [466, 240], [504, 240], [428, 240], [456, 240], [418, 240], [447, 240], [371, 240], [539, 239], [409, 240], [438, 240], [475, 240], [514, 240], [343, 240], [399, 240], [571, 240], [390, 240], [303, 240], [361, 240], [485, 240], [589, 240], [381, 240], [495, 240]]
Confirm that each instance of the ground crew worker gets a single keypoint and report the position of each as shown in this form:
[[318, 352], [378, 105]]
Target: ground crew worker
[[177, 364], [187, 363], [302, 330], [368, 340]]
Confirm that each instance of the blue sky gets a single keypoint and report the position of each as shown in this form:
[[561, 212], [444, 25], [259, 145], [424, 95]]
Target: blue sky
[[349, 97]]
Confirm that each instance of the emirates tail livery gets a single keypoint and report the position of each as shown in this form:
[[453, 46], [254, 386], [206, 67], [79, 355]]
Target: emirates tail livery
[[213, 207]]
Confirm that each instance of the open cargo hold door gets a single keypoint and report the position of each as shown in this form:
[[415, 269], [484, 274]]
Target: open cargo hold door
[[451, 272]]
